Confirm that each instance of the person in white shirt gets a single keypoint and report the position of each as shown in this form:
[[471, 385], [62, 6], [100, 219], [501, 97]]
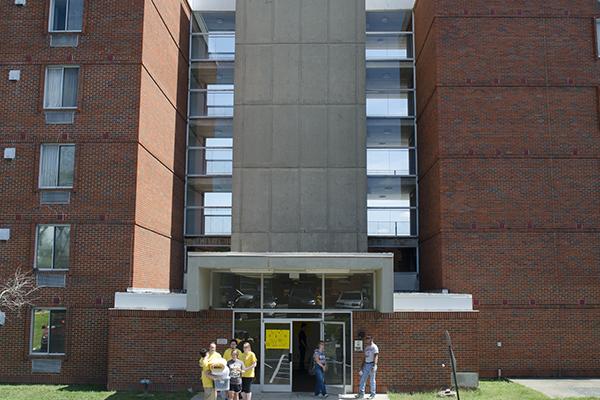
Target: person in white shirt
[[368, 368]]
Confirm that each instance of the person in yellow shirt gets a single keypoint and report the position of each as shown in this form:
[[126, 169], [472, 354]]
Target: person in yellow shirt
[[232, 347], [249, 359], [206, 357]]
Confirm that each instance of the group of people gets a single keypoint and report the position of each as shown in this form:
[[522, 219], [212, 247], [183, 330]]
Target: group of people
[[239, 368], [234, 366]]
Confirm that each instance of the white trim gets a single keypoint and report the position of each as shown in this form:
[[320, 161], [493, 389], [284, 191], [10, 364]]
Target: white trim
[[432, 302], [212, 5], [150, 301], [373, 5]]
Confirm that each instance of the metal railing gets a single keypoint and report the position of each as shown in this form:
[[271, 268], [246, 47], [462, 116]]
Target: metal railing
[[389, 46]]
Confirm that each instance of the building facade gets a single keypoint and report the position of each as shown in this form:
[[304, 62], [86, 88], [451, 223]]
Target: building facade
[[177, 173]]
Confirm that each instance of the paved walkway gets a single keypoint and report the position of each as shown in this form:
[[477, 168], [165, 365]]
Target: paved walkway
[[299, 396], [563, 387]]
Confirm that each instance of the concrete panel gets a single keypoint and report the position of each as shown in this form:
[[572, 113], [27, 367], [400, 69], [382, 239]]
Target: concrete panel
[[343, 20], [343, 74], [282, 242], [287, 21], [286, 137], [343, 208], [314, 21], [256, 200], [238, 136], [313, 71], [236, 201], [343, 242], [285, 201], [313, 136], [258, 69], [255, 242], [313, 200], [286, 73], [342, 146], [258, 16], [257, 133], [317, 242]]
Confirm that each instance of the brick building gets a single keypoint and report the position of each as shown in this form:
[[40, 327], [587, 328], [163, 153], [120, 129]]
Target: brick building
[[176, 173]]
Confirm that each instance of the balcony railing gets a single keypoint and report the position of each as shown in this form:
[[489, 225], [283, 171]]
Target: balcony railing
[[210, 161], [213, 46], [389, 46], [217, 102], [208, 221], [392, 222]]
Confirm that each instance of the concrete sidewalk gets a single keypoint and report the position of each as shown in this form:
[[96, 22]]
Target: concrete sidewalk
[[560, 388], [299, 396]]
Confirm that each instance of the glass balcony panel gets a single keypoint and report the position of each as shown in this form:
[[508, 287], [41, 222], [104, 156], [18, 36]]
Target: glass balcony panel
[[390, 132], [388, 46], [389, 75], [201, 129], [213, 21], [216, 101], [391, 192], [398, 104], [210, 161], [207, 73], [390, 162], [389, 21], [391, 222], [213, 46]]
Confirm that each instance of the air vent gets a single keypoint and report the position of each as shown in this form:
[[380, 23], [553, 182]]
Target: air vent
[[55, 197], [60, 117], [46, 366], [64, 40], [51, 279]]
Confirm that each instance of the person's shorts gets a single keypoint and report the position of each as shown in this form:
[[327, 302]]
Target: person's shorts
[[235, 387], [247, 385]]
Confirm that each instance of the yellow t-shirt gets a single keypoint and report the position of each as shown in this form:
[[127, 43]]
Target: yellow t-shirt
[[227, 354], [248, 359], [205, 366]]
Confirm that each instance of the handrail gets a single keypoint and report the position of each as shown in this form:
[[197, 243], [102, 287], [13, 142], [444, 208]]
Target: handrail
[[277, 368]]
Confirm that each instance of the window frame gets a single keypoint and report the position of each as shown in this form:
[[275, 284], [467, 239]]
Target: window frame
[[597, 37], [32, 327], [62, 86], [58, 187], [51, 18], [37, 234]]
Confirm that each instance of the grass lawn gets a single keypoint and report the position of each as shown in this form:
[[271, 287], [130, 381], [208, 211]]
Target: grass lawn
[[73, 392], [489, 390]]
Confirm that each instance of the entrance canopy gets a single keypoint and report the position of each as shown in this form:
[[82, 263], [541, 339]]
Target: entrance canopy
[[290, 281]]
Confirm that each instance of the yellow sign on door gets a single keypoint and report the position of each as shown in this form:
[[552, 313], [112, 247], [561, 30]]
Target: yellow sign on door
[[277, 339]]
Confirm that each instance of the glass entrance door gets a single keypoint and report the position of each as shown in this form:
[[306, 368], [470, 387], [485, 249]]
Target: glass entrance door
[[277, 350], [334, 336]]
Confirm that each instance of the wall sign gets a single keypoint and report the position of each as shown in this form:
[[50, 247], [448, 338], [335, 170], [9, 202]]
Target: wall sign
[[277, 339], [221, 341], [358, 345]]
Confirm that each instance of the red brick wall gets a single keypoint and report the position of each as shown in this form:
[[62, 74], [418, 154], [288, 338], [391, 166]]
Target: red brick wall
[[162, 346], [513, 165], [118, 108], [158, 253], [413, 348]]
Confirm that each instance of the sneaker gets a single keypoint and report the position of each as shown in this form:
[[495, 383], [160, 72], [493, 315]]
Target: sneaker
[[372, 396], [317, 394], [359, 396], [325, 395]]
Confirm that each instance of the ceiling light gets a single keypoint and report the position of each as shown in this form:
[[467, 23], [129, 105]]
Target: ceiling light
[[386, 76], [219, 20], [387, 132], [384, 20]]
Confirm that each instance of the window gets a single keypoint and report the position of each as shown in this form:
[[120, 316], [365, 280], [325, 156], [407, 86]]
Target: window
[[48, 331], [57, 163], [61, 87], [597, 37], [52, 247], [66, 15]]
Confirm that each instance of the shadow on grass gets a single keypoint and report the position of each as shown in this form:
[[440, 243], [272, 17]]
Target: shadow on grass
[[100, 393]]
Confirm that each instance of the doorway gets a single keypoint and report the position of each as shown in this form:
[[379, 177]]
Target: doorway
[[288, 347], [306, 339]]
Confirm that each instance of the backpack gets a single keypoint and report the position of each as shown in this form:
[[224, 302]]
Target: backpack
[[312, 366]]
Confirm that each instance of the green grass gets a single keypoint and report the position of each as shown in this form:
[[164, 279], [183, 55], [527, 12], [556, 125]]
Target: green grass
[[488, 390], [75, 392]]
